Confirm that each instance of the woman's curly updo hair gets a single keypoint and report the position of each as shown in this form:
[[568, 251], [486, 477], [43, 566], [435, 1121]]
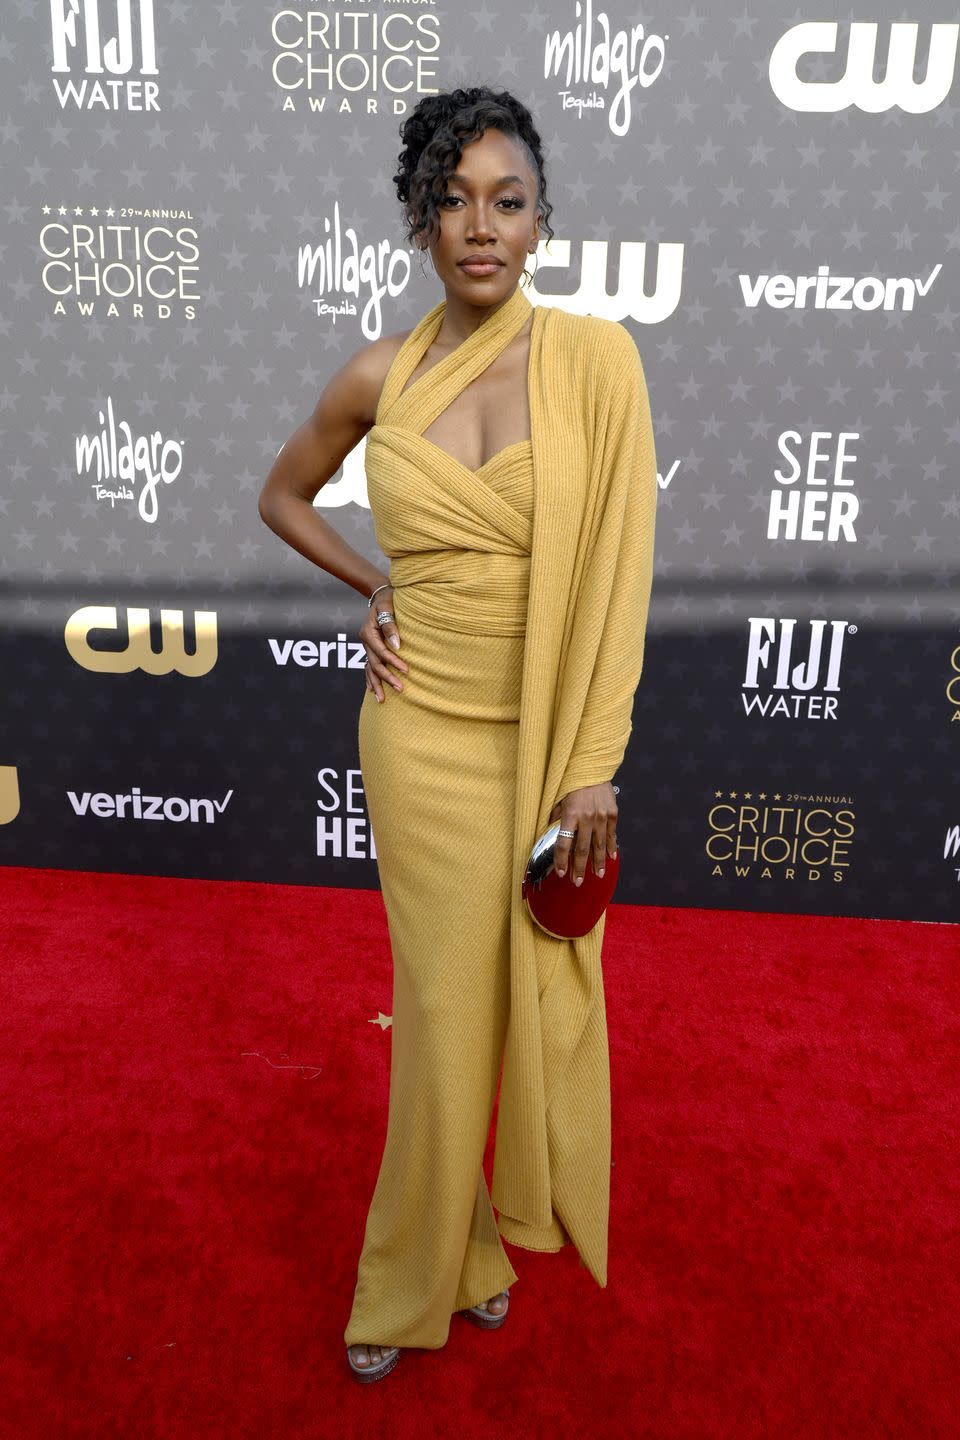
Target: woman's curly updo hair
[[434, 135]]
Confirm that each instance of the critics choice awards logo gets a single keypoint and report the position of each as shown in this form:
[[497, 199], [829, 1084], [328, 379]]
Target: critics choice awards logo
[[754, 835], [953, 685], [117, 262], [351, 56], [104, 54]]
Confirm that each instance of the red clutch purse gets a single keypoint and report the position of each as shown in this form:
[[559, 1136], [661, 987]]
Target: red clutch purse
[[559, 907]]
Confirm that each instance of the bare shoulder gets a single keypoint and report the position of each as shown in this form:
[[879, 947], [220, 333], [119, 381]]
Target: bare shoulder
[[359, 382]]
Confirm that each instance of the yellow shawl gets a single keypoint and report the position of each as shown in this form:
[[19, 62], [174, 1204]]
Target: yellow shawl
[[590, 577]]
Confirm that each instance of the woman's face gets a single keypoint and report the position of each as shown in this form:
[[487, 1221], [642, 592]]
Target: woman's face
[[489, 217]]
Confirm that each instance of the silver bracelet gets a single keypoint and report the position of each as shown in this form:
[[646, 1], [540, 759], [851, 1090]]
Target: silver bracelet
[[386, 586]]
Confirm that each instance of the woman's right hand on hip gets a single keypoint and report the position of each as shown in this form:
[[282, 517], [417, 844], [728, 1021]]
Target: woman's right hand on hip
[[381, 643]]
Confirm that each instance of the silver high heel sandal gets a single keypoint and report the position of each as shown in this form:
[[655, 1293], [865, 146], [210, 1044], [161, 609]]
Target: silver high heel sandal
[[484, 1318], [376, 1371]]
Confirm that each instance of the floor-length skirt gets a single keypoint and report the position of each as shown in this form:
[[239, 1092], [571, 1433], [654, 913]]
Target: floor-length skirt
[[439, 772]]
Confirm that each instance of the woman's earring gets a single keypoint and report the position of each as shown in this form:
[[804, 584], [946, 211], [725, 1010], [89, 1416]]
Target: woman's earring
[[424, 250]]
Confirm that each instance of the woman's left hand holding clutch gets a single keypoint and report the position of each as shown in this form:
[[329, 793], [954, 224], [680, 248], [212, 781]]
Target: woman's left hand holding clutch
[[592, 814]]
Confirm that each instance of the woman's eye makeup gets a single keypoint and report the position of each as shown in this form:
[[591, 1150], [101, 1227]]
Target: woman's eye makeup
[[513, 201]]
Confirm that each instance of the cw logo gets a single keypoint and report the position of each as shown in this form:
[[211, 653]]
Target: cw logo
[[9, 794], [857, 85], [591, 297], [138, 653]]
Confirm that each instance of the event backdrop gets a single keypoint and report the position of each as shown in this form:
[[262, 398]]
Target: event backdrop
[[200, 229]]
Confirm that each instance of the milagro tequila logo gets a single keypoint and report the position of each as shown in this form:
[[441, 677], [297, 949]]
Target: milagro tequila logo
[[951, 848], [97, 39], [343, 271], [786, 681], [591, 55], [121, 460], [120, 260]]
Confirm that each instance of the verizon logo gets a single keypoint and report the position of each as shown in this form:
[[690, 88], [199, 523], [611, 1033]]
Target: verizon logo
[[835, 292], [137, 806]]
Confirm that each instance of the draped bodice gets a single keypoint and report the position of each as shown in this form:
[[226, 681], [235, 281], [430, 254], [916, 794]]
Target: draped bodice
[[458, 540]]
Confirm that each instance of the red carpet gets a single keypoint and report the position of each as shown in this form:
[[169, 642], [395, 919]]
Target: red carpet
[[193, 1111]]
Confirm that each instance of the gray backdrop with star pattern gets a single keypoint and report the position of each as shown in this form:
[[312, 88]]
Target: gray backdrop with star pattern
[[200, 228]]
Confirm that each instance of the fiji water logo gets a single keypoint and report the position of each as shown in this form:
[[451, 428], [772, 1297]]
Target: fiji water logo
[[783, 678], [108, 43]]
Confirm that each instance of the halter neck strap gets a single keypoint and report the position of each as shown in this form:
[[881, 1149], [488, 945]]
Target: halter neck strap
[[430, 394]]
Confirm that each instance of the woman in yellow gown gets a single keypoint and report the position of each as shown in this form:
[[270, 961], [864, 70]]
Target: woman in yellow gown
[[512, 483]]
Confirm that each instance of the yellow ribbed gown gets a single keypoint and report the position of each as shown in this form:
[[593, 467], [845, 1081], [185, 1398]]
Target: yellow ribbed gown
[[520, 593]]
